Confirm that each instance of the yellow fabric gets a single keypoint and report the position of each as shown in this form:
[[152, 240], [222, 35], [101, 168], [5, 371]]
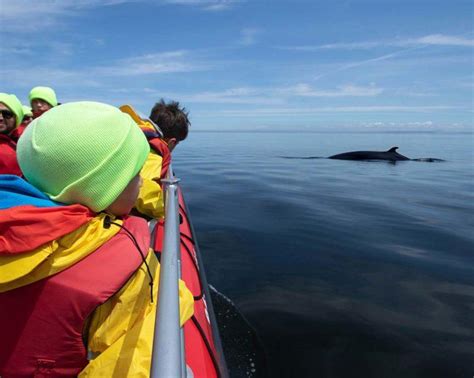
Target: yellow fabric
[[150, 199], [121, 330], [143, 123], [55, 256]]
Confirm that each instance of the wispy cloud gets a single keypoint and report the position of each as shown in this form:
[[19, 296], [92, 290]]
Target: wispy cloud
[[150, 64], [240, 95], [339, 109], [208, 5], [406, 125], [167, 62], [46, 14], [249, 36], [305, 90], [273, 96], [432, 39], [345, 67], [442, 40], [55, 77]]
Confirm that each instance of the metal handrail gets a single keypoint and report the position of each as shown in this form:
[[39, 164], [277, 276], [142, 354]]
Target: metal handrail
[[168, 342]]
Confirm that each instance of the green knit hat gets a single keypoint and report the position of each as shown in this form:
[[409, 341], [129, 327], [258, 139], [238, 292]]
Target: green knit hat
[[44, 93], [82, 152], [27, 111], [12, 102]]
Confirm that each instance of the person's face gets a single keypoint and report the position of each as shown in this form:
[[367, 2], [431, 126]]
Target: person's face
[[39, 106], [27, 120], [7, 119], [126, 200]]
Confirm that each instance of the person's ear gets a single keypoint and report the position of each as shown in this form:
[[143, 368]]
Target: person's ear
[[172, 142]]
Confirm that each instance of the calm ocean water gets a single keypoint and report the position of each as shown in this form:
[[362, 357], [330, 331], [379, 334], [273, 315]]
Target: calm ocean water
[[344, 268]]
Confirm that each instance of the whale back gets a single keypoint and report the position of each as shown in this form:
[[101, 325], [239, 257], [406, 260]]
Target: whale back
[[391, 155]]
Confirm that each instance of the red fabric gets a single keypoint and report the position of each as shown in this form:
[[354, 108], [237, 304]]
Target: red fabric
[[42, 324], [24, 228], [8, 162], [16, 133], [161, 148]]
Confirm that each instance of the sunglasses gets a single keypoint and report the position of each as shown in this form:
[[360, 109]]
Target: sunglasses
[[7, 114]]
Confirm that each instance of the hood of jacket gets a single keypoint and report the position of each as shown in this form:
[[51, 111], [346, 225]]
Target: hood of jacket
[[40, 237]]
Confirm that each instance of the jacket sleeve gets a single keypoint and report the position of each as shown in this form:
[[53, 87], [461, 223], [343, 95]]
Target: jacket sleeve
[[121, 330], [150, 199]]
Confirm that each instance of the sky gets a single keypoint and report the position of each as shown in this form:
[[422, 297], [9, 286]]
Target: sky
[[288, 65]]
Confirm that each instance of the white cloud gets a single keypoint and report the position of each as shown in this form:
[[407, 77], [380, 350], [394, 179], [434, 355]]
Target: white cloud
[[44, 14], [167, 62], [208, 5], [150, 64], [47, 14], [305, 90], [241, 95], [339, 109], [367, 61], [444, 40], [432, 39], [410, 125], [273, 96]]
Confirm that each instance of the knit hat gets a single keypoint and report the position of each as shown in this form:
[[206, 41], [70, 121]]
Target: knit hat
[[27, 112], [44, 93], [82, 152], [12, 102]]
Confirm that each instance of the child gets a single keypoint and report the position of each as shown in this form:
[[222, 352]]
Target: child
[[42, 99], [78, 284], [27, 117], [174, 123], [11, 116]]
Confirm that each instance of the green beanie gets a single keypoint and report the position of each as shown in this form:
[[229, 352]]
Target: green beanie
[[12, 102], [44, 93], [82, 152], [27, 111]]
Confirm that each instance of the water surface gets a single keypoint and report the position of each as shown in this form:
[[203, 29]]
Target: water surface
[[344, 268]]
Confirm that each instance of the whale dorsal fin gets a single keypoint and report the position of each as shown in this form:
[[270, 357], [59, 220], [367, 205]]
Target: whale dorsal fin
[[393, 149]]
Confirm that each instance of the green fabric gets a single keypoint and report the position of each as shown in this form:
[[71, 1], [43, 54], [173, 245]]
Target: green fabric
[[27, 111], [12, 102], [82, 152], [44, 93]]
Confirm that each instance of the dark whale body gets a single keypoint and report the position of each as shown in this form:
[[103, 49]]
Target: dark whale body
[[391, 155]]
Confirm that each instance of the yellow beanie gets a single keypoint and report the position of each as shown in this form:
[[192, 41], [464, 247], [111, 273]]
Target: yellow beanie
[[44, 93], [12, 102], [82, 152]]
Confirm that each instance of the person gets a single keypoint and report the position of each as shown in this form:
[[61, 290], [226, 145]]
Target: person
[[11, 116], [173, 121], [27, 115], [78, 284], [42, 99]]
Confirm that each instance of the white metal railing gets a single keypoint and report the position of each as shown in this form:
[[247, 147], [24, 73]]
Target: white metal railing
[[168, 358]]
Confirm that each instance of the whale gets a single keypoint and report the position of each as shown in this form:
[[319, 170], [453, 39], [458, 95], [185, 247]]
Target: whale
[[391, 154]]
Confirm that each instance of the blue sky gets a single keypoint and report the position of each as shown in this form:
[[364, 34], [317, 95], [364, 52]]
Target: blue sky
[[252, 65]]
